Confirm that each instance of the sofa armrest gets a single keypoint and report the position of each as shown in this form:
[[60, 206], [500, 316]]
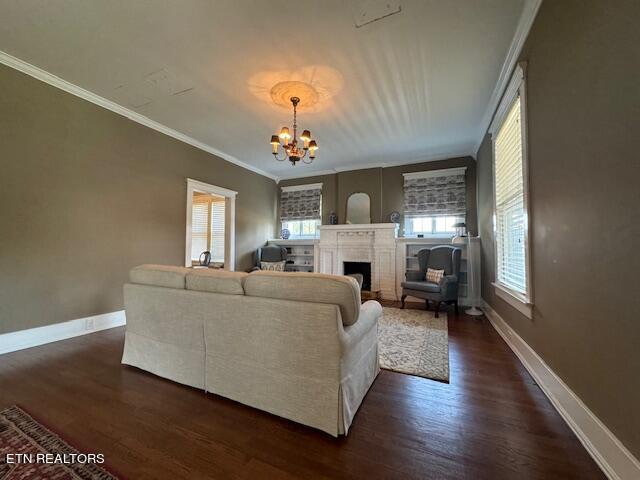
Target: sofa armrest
[[370, 313]]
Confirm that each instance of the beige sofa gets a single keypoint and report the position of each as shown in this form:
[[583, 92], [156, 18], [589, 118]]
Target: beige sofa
[[298, 345]]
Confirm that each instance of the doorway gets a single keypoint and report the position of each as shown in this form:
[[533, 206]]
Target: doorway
[[210, 225]]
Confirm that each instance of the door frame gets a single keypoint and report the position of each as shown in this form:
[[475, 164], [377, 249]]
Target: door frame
[[229, 220]]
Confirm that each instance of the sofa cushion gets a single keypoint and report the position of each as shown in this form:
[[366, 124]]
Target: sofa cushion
[[216, 281], [422, 286], [159, 275], [308, 287]]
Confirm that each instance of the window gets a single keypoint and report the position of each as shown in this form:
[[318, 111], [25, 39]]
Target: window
[[207, 226], [300, 210], [302, 228], [510, 196], [442, 225], [434, 201], [210, 224]]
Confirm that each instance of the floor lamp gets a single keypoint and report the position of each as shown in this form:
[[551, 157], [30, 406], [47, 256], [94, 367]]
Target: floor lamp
[[472, 279]]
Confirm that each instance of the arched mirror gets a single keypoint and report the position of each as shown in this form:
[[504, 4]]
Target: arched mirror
[[358, 208]]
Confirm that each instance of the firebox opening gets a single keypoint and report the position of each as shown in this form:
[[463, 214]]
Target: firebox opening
[[363, 268]]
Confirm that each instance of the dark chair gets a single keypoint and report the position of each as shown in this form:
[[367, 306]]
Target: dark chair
[[270, 253], [438, 258]]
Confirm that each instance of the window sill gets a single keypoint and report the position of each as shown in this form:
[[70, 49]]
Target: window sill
[[431, 235], [515, 299]]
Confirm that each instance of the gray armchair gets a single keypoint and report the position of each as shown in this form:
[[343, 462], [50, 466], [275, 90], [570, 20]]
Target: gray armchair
[[270, 253], [439, 258]]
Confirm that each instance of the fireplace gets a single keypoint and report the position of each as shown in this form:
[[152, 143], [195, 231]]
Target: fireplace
[[369, 250], [363, 268]]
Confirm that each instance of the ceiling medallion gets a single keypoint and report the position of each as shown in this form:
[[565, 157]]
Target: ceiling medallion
[[282, 92], [291, 150]]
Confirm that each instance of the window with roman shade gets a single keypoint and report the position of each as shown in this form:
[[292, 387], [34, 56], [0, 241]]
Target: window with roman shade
[[434, 201], [301, 209], [511, 230]]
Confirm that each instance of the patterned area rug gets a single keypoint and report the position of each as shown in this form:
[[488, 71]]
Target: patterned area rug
[[30, 451], [414, 342]]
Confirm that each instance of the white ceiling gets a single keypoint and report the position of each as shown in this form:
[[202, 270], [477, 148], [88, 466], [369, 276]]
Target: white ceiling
[[409, 87]]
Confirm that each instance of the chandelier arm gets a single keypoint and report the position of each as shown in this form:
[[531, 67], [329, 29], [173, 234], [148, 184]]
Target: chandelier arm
[[284, 157]]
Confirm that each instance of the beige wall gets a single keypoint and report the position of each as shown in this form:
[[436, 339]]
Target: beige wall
[[86, 194], [385, 187], [584, 109]]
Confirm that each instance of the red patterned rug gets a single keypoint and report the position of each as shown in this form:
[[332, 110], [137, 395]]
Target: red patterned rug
[[29, 451]]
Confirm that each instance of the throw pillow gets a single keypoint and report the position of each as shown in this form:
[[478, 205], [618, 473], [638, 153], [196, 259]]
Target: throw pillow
[[434, 275], [273, 266]]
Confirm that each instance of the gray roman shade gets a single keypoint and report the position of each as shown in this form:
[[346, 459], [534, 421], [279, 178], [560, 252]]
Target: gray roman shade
[[299, 203], [435, 192]]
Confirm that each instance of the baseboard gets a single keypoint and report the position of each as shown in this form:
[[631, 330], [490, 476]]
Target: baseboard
[[10, 342], [609, 453]]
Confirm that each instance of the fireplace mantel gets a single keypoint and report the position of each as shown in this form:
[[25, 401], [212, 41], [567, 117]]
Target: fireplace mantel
[[361, 227], [373, 242]]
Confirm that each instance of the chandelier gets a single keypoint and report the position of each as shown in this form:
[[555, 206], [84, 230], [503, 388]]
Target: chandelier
[[291, 150]]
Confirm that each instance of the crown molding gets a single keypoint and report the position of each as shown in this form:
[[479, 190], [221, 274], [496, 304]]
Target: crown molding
[[527, 17], [44, 76], [458, 153]]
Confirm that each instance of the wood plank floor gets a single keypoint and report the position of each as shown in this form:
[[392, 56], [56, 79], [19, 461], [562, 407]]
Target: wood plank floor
[[491, 422]]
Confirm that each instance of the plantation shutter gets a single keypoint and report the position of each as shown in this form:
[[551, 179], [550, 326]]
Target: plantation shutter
[[208, 227], [509, 198], [435, 193], [300, 204], [199, 226], [217, 230]]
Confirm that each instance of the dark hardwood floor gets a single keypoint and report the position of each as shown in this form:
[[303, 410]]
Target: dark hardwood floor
[[490, 422]]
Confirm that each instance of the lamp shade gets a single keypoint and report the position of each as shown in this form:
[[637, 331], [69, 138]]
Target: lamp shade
[[313, 146], [274, 140], [306, 135], [284, 133]]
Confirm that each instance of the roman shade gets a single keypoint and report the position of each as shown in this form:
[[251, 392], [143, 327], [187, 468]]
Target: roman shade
[[435, 193], [300, 203]]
